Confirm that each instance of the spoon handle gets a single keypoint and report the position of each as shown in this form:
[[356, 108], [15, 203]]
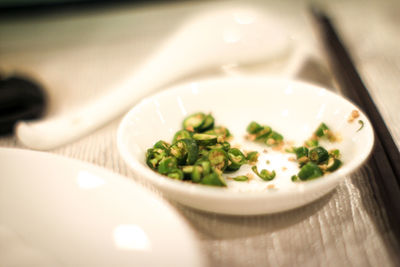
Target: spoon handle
[[58, 130]]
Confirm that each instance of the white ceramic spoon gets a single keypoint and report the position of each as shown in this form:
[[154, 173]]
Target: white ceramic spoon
[[56, 211], [212, 39]]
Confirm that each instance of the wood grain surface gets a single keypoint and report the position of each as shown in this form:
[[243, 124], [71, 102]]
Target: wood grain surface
[[347, 227]]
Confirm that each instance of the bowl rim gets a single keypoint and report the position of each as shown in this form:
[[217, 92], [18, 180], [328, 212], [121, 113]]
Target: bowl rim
[[169, 184]]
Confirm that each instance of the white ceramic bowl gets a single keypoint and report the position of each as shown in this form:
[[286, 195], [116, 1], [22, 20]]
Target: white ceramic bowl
[[293, 108]]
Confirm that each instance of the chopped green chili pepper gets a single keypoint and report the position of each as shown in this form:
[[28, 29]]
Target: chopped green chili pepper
[[224, 145], [176, 174], [263, 133], [198, 152], [192, 151], [181, 134], [290, 150], [321, 130], [333, 164], [167, 164], [213, 179], [178, 151], [154, 156], [361, 122], [162, 144], [309, 171], [203, 152], [185, 151], [205, 139], [264, 174], [218, 158], [219, 131], [241, 178], [252, 157], [335, 153], [303, 160], [311, 142], [187, 171], [301, 152], [205, 164], [274, 138], [236, 158], [318, 154], [201, 168], [254, 127], [197, 174], [207, 124], [194, 122]]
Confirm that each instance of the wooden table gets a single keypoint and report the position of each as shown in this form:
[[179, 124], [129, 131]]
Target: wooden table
[[78, 55]]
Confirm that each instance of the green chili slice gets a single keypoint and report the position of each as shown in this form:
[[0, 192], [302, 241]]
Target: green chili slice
[[335, 153], [224, 145], [361, 122], [219, 131], [254, 127], [309, 171], [192, 151], [205, 164], [205, 139], [176, 174], [187, 171], [263, 133], [241, 178], [207, 124], [162, 144], [203, 152], [264, 174], [181, 134], [154, 156], [213, 179], [322, 130], [197, 174], [236, 159], [311, 142], [252, 157], [166, 165], [194, 122], [301, 152], [218, 158], [178, 151], [274, 138], [333, 164], [185, 151], [318, 154], [201, 168]]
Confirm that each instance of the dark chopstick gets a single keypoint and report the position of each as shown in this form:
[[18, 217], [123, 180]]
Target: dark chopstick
[[385, 159]]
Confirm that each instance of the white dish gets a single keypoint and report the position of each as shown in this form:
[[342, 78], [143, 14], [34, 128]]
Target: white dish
[[293, 108], [61, 212]]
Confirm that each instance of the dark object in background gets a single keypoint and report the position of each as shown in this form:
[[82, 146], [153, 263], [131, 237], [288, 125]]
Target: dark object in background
[[24, 8], [20, 99]]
